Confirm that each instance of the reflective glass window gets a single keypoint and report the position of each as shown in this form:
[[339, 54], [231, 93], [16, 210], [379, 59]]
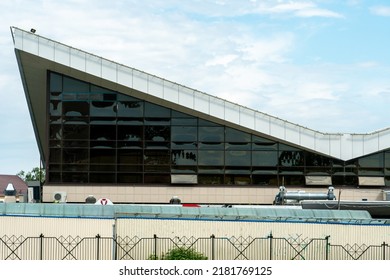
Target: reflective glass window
[[236, 136], [157, 133], [75, 132], [55, 82], [73, 85], [184, 133], [156, 111], [73, 108], [211, 134], [72, 155], [264, 158], [103, 108], [237, 158], [184, 157], [211, 158], [375, 160], [103, 132], [55, 107]]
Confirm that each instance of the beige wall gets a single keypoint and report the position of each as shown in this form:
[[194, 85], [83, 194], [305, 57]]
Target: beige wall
[[196, 194], [142, 228]]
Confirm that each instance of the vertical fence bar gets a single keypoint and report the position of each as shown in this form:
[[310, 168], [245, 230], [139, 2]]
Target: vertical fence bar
[[155, 246], [41, 246], [97, 246], [270, 245], [212, 238], [384, 245], [327, 247]]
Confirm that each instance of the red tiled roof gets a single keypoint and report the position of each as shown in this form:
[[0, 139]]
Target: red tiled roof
[[19, 185]]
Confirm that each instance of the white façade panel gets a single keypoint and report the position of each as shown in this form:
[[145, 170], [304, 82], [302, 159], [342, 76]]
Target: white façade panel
[[140, 81], [171, 92], [247, 118], [322, 143], [109, 70], [156, 87], [18, 38], [202, 102], [370, 143], [356, 142], [186, 97], [307, 138], [30, 43], [293, 133], [232, 112], [46, 48], [77, 60], [262, 123], [277, 128], [384, 139], [62, 54], [125, 76], [217, 108], [93, 65]]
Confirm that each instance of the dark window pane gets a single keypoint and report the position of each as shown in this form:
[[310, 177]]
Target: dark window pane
[[157, 133], [55, 82], [264, 158], [157, 178], [156, 111], [130, 157], [129, 178], [102, 177], [157, 157], [73, 85], [237, 158], [131, 109], [211, 158], [375, 160], [130, 133], [55, 155], [73, 108], [55, 132], [291, 158], [211, 134], [75, 155], [212, 179], [106, 109], [74, 177], [236, 136], [103, 156], [103, 132], [184, 157], [184, 133], [55, 107], [75, 132]]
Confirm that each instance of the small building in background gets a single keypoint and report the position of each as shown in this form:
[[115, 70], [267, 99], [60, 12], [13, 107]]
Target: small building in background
[[18, 184]]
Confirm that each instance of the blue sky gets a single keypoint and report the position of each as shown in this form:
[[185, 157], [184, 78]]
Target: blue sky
[[322, 64]]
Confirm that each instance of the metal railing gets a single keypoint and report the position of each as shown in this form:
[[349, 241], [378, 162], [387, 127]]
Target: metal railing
[[212, 247]]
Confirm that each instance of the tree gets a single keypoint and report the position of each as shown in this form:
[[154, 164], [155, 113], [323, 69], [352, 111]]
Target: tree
[[180, 253], [36, 174]]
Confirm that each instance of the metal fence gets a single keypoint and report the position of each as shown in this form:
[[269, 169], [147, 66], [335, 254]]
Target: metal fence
[[213, 248]]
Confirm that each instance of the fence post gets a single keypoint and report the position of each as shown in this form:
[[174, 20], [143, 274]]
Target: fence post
[[155, 246], [97, 246], [384, 245], [41, 246], [270, 245], [212, 237], [327, 247]]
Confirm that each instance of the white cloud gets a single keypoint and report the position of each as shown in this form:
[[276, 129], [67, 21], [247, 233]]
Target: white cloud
[[380, 10], [299, 9]]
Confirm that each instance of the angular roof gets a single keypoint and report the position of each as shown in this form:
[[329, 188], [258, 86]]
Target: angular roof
[[19, 185], [37, 54]]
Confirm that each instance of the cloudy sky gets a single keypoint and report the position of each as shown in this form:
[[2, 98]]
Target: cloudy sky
[[323, 64]]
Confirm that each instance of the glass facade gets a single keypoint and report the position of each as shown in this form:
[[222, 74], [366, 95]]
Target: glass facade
[[101, 136]]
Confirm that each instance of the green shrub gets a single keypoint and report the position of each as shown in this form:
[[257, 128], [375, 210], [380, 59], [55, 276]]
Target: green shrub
[[180, 253]]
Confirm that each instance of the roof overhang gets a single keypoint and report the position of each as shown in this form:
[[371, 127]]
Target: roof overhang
[[37, 55]]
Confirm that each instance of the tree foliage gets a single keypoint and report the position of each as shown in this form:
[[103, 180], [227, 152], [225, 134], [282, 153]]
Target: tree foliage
[[36, 174], [180, 253]]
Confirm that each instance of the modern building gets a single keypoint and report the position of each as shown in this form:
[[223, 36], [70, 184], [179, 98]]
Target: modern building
[[109, 130]]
